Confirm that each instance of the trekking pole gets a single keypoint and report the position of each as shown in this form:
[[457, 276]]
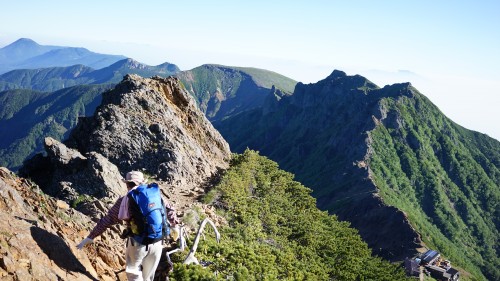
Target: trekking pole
[[182, 245]]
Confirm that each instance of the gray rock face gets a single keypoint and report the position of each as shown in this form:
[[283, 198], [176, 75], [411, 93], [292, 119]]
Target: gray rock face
[[66, 174], [155, 126]]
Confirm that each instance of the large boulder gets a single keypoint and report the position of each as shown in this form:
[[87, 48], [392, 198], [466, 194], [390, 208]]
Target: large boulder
[[85, 182]]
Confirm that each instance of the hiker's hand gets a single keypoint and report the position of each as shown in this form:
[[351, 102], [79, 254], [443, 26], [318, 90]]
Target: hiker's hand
[[174, 232], [83, 243]]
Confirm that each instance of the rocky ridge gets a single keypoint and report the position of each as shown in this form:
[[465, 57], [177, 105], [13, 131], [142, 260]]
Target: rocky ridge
[[155, 126], [150, 125]]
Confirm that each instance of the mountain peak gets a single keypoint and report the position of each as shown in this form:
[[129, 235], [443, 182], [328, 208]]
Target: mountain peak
[[399, 89], [337, 74], [22, 44], [128, 63], [24, 41], [163, 112]]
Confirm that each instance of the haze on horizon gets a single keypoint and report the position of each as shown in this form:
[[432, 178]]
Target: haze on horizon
[[449, 50]]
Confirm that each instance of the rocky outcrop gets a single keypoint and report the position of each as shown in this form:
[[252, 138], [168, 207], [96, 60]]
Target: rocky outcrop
[[155, 126], [83, 182], [38, 235]]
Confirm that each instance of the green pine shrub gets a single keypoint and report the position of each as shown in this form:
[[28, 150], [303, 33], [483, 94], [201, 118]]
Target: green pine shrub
[[276, 232]]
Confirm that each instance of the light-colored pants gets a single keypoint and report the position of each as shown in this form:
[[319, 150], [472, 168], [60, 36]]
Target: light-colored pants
[[137, 255]]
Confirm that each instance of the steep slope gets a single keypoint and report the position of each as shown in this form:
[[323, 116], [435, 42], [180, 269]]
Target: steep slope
[[29, 116], [39, 234], [56, 78], [221, 91], [333, 136], [26, 53], [446, 178]]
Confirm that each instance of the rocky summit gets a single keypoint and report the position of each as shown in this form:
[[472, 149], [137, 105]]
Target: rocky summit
[[155, 126], [151, 125]]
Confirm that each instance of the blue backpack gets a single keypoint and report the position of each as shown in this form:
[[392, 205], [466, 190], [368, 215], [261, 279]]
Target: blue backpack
[[148, 215]]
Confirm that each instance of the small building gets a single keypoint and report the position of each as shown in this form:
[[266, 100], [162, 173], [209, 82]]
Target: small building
[[429, 257], [443, 274], [412, 268]]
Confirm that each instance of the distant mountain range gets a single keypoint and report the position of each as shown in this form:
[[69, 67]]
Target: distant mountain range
[[27, 54], [55, 78]]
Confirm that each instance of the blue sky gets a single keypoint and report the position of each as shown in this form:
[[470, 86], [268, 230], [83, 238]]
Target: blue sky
[[449, 50]]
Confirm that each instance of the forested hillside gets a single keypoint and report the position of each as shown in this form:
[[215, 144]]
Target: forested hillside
[[27, 117], [446, 178], [274, 231]]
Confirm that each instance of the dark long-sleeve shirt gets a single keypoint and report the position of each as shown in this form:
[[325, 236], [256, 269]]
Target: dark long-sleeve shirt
[[111, 218]]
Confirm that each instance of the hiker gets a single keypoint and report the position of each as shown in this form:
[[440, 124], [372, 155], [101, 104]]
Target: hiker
[[142, 252]]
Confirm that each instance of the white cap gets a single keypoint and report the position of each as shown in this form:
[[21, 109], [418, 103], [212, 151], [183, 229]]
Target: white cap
[[135, 177]]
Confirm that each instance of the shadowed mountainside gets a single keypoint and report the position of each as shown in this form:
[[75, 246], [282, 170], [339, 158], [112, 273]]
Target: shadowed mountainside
[[387, 161], [29, 116]]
